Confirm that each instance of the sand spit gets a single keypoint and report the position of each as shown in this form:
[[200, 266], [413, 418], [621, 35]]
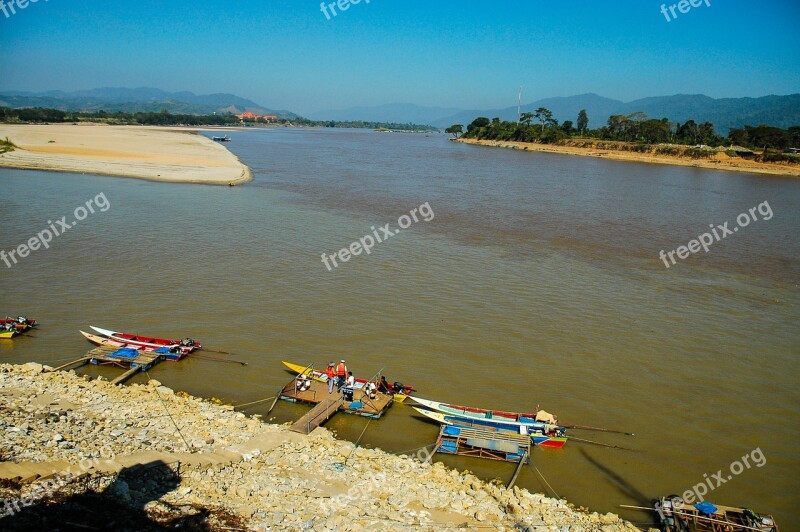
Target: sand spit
[[719, 162], [170, 457], [158, 154]]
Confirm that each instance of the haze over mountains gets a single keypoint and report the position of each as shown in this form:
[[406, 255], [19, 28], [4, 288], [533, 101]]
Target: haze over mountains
[[144, 99], [724, 113]]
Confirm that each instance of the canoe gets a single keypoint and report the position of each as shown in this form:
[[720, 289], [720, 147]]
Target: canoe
[[168, 355], [147, 341], [21, 324], [398, 397], [540, 417], [543, 436], [676, 515]]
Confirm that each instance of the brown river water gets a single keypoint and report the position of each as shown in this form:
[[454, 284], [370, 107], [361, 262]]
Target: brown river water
[[538, 281]]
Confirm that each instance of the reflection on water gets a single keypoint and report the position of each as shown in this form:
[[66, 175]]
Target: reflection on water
[[538, 282]]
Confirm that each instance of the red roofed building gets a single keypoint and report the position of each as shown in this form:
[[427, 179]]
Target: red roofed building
[[250, 116]]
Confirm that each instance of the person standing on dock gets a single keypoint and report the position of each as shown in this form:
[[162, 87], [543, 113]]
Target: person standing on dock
[[341, 373], [330, 372]]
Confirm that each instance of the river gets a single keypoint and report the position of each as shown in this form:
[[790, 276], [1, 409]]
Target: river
[[536, 280]]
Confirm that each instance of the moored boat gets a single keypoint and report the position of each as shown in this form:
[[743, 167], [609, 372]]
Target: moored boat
[[540, 416], [6, 333], [173, 353], [542, 434], [11, 327], [399, 391], [675, 515], [186, 344]]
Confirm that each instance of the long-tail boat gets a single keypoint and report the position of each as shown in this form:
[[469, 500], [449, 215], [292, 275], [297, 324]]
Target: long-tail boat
[[173, 353], [148, 341], [542, 434], [678, 516], [10, 327]]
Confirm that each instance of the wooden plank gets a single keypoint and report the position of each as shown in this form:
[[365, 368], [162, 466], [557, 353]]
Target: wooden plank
[[83, 361], [127, 375], [318, 415], [522, 462]]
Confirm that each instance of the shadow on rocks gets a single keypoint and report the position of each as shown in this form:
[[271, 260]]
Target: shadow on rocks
[[121, 506]]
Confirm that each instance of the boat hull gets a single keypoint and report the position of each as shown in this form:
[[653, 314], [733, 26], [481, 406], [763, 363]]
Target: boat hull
[[539, 438], [146, 341], [99, 340]]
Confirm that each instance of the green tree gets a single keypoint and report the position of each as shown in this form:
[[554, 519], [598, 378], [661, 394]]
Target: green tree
[[543, 116], [455, 130], [526, 118], [566, 127], [478, 123], [583, 121]]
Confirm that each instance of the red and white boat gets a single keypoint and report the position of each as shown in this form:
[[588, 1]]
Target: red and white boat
[[20, 324], [174, 353], [186, 344]]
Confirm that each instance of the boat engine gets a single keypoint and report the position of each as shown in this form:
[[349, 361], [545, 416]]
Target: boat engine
[[187, 342], [398, 387]]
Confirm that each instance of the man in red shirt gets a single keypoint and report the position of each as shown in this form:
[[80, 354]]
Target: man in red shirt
[[331, 374]]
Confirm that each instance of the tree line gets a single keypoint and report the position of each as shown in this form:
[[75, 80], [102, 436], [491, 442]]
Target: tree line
[[540, 126], [38, 115]]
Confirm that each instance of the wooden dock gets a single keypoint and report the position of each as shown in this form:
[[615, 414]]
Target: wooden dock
[[326, 405], [104, 356], [319, 414], [481, 443]]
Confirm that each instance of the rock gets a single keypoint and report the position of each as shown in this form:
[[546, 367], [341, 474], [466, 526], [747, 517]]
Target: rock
[[152, 383]]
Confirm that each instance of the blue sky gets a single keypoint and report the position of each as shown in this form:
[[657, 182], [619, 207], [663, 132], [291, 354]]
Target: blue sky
[[468, 53]]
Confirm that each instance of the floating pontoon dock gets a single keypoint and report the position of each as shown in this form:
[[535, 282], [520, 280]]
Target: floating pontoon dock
[[111, 356], [326, 405], [481, 443]]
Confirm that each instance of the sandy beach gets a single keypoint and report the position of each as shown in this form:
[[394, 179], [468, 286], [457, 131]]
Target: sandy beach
[[154, 153], [719, 162]]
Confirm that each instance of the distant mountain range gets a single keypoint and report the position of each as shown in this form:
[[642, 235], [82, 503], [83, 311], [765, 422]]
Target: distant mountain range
[[724, 113], [144, 99]]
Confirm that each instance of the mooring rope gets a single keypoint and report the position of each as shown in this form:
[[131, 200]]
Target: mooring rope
[[545, 481], [188, 447]]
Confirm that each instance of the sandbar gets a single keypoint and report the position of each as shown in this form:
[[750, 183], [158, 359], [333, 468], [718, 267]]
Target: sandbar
[[155, 153]]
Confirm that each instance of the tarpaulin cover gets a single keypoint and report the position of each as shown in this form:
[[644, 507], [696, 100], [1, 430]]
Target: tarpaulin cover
[[125, 352], [706, 507]]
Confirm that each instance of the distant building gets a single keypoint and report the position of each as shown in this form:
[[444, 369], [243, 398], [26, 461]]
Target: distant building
[[251, 116]]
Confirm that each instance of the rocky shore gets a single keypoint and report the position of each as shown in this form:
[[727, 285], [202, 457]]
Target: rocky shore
[[149, 457]]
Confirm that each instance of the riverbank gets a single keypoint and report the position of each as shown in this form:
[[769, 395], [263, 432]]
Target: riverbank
[[154, 153], [718, 161], [170, 457]]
